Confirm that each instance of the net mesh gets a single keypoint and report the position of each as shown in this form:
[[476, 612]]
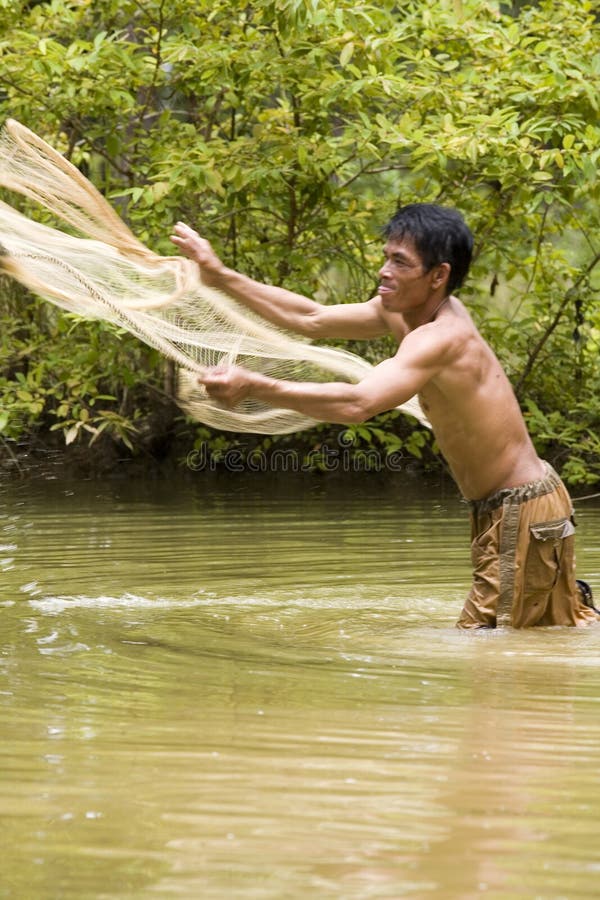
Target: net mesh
[[106, 273]]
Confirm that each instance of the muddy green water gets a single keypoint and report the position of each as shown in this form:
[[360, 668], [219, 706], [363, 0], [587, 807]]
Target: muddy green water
[[241, 689]]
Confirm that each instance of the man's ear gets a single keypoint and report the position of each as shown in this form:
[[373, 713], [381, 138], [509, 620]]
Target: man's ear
[[441, 274]]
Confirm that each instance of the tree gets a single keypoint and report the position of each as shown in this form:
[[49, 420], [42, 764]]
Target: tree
[[289, 130]]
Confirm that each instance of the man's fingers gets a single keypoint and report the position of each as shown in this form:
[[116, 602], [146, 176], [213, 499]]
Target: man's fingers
[[182, 228], [213, 373], [183, 232], [222, 384]]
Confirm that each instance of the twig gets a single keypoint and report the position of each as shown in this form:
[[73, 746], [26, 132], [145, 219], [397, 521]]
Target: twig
[[553, 324], [587, 497]]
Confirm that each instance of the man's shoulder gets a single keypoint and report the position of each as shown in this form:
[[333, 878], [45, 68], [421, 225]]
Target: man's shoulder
[[450, 340], [456, 328], [452, 326]]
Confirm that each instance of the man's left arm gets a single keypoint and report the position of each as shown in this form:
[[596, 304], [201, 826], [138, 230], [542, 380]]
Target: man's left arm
[[390, 384]]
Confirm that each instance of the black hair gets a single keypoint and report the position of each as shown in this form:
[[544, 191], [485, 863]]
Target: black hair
[[439, 234]]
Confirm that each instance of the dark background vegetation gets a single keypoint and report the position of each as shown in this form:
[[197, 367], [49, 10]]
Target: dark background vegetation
[[288, 132]]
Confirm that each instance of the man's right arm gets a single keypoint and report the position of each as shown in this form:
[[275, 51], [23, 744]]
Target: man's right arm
[[352, 321]]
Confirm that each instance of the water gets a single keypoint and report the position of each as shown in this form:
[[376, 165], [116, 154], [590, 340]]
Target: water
[[246, 689]]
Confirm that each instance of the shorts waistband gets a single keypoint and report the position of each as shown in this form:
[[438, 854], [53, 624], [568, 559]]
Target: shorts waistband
[[519, 494]]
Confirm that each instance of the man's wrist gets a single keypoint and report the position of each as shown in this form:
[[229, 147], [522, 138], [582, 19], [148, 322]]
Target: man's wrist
[[215, 277], [263, 387]]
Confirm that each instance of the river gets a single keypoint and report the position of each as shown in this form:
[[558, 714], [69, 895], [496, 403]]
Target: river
[[247, 687]]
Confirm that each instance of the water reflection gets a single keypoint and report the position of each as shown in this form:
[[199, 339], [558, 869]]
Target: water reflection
[[260, 694]]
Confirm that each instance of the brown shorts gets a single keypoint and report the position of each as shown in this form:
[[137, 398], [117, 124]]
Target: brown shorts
[[523, 553]]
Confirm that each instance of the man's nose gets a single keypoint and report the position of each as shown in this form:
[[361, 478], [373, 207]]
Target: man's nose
[[384, 270]]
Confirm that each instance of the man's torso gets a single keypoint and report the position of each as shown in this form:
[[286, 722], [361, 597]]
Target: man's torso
[[473, 411]]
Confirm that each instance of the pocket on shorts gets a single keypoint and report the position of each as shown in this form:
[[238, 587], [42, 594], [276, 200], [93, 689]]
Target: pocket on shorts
[[544, 554], [552, 531]]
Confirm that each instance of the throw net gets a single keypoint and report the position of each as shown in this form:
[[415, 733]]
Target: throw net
[[106, 273]]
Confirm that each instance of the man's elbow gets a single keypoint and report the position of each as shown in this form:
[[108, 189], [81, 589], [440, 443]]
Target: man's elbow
[[357, 412], [313, 324], [359, 409]]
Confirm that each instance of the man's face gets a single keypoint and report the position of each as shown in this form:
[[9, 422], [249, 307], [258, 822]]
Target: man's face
[[403, 282]]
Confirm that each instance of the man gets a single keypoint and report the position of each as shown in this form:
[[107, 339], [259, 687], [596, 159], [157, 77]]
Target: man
[[521, 514]]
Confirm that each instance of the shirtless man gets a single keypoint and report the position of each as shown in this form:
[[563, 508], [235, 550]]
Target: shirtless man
[[521, 515]]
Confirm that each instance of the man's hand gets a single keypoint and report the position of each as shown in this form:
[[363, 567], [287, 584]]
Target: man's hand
[[228, 385], [197, 248]]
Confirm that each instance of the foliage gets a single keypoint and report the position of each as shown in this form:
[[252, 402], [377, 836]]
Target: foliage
[[287, 131], [61, 373], [375, 446]]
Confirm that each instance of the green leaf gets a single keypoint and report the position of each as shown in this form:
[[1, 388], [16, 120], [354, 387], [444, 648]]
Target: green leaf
[[346, 54]]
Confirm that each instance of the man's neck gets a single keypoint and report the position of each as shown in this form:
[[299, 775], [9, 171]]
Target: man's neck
[[426, 313]]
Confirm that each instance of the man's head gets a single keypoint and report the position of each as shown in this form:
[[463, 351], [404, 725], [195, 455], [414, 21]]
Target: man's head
[[439, 235]]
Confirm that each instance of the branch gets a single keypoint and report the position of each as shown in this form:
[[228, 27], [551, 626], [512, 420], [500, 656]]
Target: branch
[[158, 60], [553, 324], [538, 250]]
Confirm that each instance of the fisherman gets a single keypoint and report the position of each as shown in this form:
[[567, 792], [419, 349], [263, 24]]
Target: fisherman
[[523, 545]]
